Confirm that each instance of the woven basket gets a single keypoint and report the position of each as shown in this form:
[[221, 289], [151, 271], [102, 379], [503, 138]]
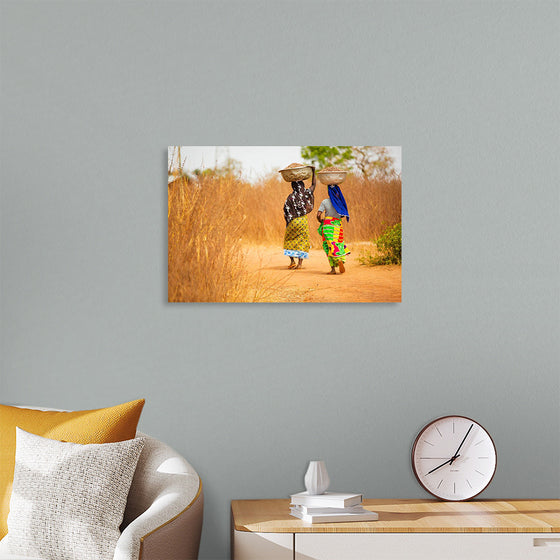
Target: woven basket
[[296, 172], [332, 177]]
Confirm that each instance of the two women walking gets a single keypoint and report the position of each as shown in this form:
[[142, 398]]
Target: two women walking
[[332, 210]]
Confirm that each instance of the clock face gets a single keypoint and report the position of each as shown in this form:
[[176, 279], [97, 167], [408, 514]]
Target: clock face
[[454, 458]]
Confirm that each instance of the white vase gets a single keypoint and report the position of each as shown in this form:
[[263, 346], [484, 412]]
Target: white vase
[[316, 478]]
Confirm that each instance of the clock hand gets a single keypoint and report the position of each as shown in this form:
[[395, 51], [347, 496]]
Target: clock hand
[[461, 445], [439, 467]]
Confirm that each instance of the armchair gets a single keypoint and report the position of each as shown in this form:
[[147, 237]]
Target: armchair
[[163, 516]]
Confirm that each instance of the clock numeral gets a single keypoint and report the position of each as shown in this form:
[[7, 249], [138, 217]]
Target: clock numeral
[[429, 443], [479, 472], [438, 432], [479, 442], [440, 483], [468, 482]]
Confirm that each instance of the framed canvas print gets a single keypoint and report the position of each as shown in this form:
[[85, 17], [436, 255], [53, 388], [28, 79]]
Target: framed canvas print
[[284, 224]]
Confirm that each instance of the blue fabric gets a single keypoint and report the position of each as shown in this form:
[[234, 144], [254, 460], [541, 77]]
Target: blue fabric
[[298, 254], [338, 201]]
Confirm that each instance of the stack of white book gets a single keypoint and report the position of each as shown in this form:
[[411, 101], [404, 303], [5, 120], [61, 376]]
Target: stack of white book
[[330, 507]]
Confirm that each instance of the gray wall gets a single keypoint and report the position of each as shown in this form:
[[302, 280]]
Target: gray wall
[[93, 93]]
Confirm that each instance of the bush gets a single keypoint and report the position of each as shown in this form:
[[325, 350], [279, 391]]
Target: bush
[[389, 248]]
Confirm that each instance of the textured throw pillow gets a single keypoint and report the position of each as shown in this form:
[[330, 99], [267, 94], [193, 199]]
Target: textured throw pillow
[[68, 499], [104, 425]]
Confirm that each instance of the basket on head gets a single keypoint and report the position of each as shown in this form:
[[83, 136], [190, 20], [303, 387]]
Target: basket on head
[[295, 172], [332, 175]]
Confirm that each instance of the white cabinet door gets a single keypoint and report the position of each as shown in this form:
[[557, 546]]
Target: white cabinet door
[[262, 546], [427, 546]]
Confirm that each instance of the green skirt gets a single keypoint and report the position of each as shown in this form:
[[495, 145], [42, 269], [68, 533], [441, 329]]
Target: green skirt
[[332, 234]]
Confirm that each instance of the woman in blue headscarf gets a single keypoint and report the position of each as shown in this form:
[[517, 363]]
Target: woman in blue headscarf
[[330, 215]]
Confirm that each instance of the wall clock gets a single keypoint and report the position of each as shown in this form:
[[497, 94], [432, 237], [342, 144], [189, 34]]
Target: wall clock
[[454, 458]]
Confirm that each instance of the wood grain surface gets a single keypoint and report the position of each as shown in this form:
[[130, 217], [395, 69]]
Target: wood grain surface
[[409, 516]]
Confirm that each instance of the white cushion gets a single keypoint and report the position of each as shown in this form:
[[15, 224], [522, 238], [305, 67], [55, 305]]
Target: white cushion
[[68, 499], [15, 557], [5, 555]]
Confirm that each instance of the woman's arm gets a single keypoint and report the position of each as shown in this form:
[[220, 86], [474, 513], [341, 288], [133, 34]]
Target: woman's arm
[[313, 180]]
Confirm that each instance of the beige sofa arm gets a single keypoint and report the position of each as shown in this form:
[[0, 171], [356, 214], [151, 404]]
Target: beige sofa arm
[[163, 517], [177, 538]]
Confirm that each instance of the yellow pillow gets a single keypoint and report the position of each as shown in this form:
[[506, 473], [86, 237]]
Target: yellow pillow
[[104, 425]]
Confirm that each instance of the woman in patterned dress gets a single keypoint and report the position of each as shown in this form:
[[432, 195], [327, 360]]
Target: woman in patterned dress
[[330, 215], [298, 204]]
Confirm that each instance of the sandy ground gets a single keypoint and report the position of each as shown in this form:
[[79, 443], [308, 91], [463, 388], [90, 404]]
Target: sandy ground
[[273, 280]]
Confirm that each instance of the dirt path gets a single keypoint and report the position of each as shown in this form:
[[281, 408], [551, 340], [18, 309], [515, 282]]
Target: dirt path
[[276, 283]]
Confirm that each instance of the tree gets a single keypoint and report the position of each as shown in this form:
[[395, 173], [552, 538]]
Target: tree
[[373, 161], [323, 156], [369, 161], [230, 167]]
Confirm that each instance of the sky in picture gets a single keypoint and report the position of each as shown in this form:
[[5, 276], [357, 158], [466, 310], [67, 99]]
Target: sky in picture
[[256, 161]]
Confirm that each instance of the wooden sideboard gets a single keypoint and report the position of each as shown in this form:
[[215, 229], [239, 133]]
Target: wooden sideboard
[[406, 529]]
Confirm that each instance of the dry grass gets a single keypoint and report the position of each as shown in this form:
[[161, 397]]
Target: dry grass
[[210, 220], [373, 206], [204, 260]]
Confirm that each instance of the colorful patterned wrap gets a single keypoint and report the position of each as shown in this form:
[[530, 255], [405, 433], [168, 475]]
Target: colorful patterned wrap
[[296, 239], [333, 240]]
